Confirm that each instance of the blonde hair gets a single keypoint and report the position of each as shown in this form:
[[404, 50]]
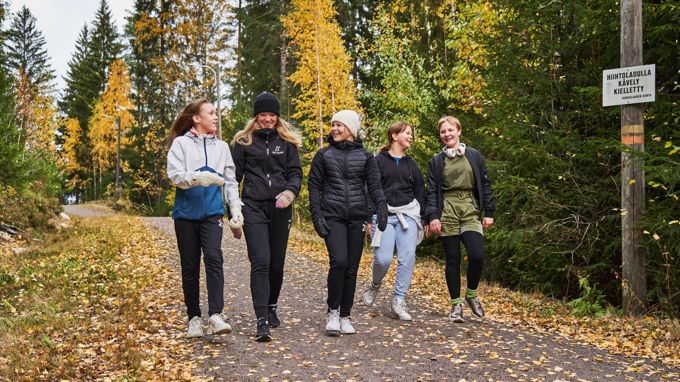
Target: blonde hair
[[283, 128], [453, 121]]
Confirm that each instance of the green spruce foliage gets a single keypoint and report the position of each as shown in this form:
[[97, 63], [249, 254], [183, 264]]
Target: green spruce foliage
[[29, 183]]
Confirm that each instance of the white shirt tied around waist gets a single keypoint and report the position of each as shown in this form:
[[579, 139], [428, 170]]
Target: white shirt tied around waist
[[411, 210]]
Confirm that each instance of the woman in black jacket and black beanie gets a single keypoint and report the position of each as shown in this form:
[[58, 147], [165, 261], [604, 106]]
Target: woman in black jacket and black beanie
[[460, 206], [266, 157], [339, 177]]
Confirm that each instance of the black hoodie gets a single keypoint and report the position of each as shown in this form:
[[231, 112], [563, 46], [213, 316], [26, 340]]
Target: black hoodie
[[401, 181]]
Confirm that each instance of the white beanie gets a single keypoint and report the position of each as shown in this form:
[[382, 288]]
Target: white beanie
[[349, 118]]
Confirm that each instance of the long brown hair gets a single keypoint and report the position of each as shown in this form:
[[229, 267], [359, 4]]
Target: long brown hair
[[283, 128], [396, 128], [184, 120]]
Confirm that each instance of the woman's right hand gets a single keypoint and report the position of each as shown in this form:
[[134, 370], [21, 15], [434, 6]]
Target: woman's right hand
[[237, 232], [436, 226]]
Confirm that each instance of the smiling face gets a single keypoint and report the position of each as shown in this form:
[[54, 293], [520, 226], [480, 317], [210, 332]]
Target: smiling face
[[404, 138], [267, 120], [205, 121], [449, 134], [340, 132]]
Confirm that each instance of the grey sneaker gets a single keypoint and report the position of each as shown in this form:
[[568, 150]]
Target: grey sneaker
[[333, 323], [346, 326], [370, 294], [398, 309], [195, 327], [475, 305], [456, 314], [216, 324]]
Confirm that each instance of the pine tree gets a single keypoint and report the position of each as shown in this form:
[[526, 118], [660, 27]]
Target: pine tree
[[10, 150], [77, 95], [26, 58], [354, 17], [259, 57], [103, 46], [26, 55], [323, 67]]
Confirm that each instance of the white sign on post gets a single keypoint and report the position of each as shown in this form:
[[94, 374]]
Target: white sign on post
[[623, 86]]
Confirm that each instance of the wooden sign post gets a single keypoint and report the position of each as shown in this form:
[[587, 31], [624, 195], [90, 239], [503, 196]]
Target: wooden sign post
[[632, 175], [630, 86]]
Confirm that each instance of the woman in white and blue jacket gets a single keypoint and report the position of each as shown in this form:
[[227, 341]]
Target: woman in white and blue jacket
[[201, 167]]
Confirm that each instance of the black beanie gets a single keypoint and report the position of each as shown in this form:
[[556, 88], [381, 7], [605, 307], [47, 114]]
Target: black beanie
[[266, 102]]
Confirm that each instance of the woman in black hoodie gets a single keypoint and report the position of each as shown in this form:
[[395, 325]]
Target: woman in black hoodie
[[339, 177], [266, 157]]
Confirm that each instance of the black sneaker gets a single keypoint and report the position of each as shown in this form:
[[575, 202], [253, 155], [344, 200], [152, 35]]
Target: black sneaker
[[475, 305], [274, 321], [262, 334]]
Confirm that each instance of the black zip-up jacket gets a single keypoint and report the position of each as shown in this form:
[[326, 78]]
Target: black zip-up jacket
[[268, 166], [401, 182], [435, 173], [341, 176]]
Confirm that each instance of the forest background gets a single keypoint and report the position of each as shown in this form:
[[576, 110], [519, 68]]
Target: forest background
[[524, 77]]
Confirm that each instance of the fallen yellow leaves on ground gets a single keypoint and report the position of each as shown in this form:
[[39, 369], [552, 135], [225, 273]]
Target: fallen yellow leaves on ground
[[93, 302], [655, 338]]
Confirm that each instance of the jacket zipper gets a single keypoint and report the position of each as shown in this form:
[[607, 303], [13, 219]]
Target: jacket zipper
[[269, 180], [346, 184], [205, 151]]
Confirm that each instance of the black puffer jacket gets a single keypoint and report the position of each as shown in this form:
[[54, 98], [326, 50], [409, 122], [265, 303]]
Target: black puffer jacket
[[340, 175], [269, 166], [435, 196]]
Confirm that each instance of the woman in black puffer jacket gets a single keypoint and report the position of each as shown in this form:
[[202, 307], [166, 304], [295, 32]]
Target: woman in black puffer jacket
[[340, 176]]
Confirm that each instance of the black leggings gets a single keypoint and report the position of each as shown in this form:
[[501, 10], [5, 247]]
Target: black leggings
[[474, 245], [266, 229], [345, 243]]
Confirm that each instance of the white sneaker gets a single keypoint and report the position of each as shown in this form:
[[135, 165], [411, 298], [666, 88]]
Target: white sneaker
[[333, 323], [216, 324], [195, 327], [346, 326], [399, 309], [370, 294]]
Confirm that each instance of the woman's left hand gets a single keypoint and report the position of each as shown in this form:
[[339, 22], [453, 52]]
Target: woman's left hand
[[487, 222]]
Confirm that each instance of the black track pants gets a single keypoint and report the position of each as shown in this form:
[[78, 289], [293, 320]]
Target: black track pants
[[192, 237], [345, 243], [474, 246], [266, 228]]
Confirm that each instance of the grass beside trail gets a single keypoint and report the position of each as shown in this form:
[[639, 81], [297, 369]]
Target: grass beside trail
[[652, 337], [90, 302]]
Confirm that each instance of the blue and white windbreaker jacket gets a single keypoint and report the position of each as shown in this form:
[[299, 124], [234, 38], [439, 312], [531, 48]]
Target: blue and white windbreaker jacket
[[189, 154]]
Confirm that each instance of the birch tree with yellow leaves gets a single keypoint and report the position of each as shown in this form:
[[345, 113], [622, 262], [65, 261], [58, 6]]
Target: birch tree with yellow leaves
[[114, 105], [323, 67]]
